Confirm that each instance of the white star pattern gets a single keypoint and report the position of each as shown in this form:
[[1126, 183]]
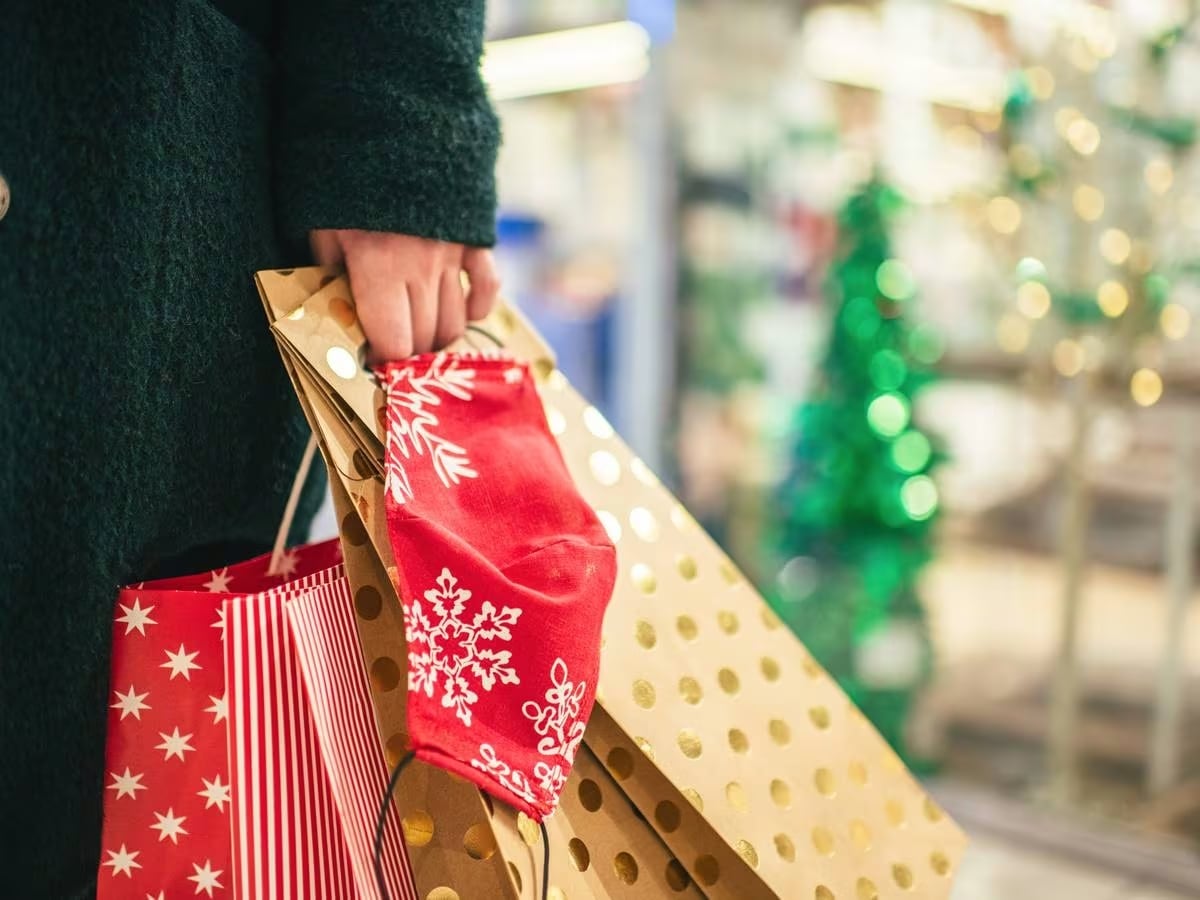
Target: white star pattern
[[220, 623], [513, 375], [215, 793], [136, 618], [180, 663], [161, 896], [206, 878], [127, 785], [219, 583], [219, 708], [175, 744], [123, 861], [169, 826], [131, 704], [287, 564]]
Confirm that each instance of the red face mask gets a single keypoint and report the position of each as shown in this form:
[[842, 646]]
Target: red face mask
[[504, 575]]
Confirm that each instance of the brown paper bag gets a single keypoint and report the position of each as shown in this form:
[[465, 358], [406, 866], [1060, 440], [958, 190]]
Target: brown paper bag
[[726, 744]]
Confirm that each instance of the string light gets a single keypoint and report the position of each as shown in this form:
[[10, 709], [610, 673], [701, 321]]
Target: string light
[[1012, 333], [911, 451], [1083, 136], [1159, 175], [888, 414], [1175, 321], [1112, 298], [1068, 357], [1004, 215], [919, 497], [1146, 387], [1115, 246], [895, 280], [1033, 299], [1089, 202]]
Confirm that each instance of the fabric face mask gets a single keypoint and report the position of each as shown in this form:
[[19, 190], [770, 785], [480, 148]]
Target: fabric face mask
[[504, 576]]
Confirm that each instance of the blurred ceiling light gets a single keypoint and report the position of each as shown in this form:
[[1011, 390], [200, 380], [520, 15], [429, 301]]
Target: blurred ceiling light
[[598, 55]]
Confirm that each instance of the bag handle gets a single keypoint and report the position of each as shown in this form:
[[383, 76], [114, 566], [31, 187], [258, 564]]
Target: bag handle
[[289, 511]]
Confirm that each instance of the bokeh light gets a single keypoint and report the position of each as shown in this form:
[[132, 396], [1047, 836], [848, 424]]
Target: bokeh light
[[895, 280], [1176, 321], [919, 497], [1068, 357], [1115, 246], [1033, 299], [888, 414], [1004, 215], [1159, 175], [911, 452], [887, 370], [1030, 268], [1089, 202], [1012, 333], [926, 344], [1083, 136], [1112, 298], [1146, 387]]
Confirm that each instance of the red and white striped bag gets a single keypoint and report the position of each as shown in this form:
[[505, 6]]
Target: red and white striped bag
[[242, 754]]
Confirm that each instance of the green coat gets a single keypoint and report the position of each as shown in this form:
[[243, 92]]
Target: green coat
[[158, 152]]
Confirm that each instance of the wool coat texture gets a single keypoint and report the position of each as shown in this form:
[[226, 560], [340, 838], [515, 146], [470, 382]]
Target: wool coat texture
[[157, 154]]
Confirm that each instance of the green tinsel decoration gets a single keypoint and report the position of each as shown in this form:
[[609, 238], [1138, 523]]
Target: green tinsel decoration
[[856, 511]]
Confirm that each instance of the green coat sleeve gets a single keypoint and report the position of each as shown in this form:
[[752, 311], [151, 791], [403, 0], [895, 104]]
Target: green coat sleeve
[[382, 120]]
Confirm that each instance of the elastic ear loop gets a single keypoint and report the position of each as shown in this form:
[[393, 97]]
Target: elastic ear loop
[[381, 826]]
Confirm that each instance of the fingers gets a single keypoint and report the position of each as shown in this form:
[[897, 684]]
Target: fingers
[[381, 294], [451, 310], [480, 267], [326, 247]]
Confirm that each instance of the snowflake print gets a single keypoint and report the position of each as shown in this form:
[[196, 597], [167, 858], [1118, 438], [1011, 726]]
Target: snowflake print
[[513, 779], [412, 398], [559, 722], [448, 648]]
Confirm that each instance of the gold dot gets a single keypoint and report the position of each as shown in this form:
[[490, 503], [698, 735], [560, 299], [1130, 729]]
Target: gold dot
[[1004, 214], [1033, 299], [643, 694], [645, 633], [642, 472], [823, 893], [1175, 321], [595, 422], [556, 421], [781, 732], [644, 746], [528, 829], [822, 840], [589, 795], [781, 794], [738, 742], [939, 863], [353, 532], [1112, 298], [689, 743], [687, 567], [866, 890], [825, 782], [729, 572], [860, 835], [708, 872], [516, 876], [667, 815], [933, 812], [605, 468], [479, 842], [626, 868], [1115, 246], [385, 674], [727, 621], [689, 689], [620, 763], [417, 827], [1146, 387], [785, 848], [770, 668], [442, 893], [728, 680], [747, 852], [812, 668], [903, 877], [891, 761], [819, 716], [677, 877], [735, 796], [611, 525], [686, 626], [643, 578], [395, 748], [556, 893], [368, 602], [895, 813], [579, 854], [342, 363], [682, 519], [643, 523], [858, 773], [769, 619], [1089, 202], [543, 368], [342, 311], [694, 798]]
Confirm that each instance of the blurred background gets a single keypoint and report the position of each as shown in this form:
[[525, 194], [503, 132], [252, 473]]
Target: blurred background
[[897, 295]]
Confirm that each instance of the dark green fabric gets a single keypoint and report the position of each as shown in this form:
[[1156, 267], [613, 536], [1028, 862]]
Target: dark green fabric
[[158, 153]]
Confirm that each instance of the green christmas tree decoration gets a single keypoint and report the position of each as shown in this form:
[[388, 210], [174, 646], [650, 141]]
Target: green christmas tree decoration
[[856, 511]]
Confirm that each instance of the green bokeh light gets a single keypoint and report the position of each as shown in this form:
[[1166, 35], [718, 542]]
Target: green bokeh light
[[888, 370], [919, 497], [926, 344], [911, 452], [1158, 289], [888, 414], [895, 280], [862, 319], [1031, 269]]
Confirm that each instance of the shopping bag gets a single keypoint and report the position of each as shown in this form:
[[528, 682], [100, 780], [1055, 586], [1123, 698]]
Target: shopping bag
[[748, 772], [244, 793]]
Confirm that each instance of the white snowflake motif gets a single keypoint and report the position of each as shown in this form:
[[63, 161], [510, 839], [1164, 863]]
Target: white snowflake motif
[[559, 722], [448, 648], [412, 398], [513, 779]]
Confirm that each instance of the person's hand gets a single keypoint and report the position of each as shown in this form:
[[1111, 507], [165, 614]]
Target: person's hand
[[408, 290]]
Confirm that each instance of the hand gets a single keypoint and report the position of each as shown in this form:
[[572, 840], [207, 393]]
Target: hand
[[408, 290]]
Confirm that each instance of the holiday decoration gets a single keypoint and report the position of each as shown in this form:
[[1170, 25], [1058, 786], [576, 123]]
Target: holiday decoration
[[720, 760], [853, 529]]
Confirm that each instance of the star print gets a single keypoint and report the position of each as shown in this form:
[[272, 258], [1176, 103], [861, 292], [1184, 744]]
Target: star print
[[135, 617], [131, 704], [513, 375], [174, 744], [206, 878], [161, 896], [287, 564], [127, 785], [215, 793], [180, 663], [219, 583], [219, 708], [220, 623], [123, 861], [169, 826]]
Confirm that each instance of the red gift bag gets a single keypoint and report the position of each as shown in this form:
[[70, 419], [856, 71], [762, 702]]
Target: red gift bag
[[242, 756]]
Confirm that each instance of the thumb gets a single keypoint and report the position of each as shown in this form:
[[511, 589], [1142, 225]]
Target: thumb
[[326, 246]]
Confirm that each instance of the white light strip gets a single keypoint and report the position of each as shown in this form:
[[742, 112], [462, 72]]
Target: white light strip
[[616, 53]]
